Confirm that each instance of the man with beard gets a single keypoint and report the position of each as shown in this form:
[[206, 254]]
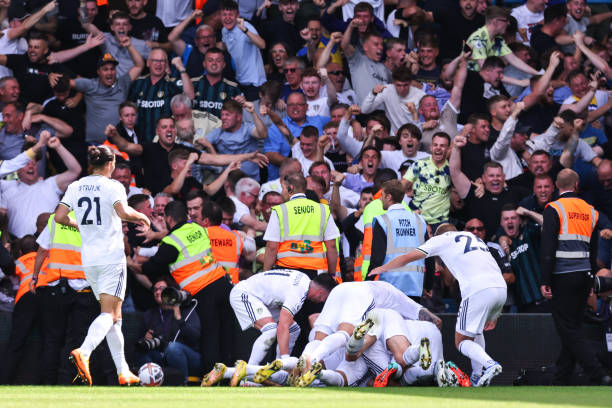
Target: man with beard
[[104, 94], [193, 55], [488, 206], [336, 70], [152, 93], [33, 68], [312, 81], [543, 193]]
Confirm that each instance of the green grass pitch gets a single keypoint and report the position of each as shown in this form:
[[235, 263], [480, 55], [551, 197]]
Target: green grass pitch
[[222, 397]]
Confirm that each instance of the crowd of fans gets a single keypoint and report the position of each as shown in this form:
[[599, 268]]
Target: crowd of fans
[[475, 107]]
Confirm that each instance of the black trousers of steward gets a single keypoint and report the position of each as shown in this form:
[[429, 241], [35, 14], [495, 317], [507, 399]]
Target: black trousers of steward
[[570, 292], [217, 321]]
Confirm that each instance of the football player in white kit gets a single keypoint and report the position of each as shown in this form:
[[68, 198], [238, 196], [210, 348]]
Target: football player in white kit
[[268, 301], [346, 307], [412, 344], [483, 292], [100, 204]]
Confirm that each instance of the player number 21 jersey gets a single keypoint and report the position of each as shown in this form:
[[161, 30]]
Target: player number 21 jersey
[[93, 200], [468, 258]]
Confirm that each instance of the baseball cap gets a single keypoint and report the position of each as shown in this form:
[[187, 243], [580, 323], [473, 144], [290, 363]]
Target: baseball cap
[[107, 58]]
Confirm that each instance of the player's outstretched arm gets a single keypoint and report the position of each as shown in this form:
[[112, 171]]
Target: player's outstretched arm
[[398, 262], [127, 213]]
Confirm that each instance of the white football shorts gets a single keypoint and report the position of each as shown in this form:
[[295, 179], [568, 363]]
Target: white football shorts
[[108, 279], [476, 310]]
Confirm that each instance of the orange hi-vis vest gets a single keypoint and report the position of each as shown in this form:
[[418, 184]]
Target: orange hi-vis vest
[[116, 150], [577, 219], [24, 268], [226, 248], [64, 259], [302, 231], [195, 266], [362, 263]]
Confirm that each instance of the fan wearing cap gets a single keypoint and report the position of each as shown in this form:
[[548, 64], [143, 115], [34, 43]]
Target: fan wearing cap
[[510, 144], [104, 94]]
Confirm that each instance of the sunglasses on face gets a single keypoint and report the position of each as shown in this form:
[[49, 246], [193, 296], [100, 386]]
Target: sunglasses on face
[[474, 229], [292, 70], [336, 72]]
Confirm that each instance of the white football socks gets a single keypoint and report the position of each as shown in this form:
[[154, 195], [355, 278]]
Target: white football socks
[[289, 363], [329, 345], [354, 346], [477, 366], [411, 355], [331, 378], [115, 341], [96, 333], [474, 352], [263, 343]]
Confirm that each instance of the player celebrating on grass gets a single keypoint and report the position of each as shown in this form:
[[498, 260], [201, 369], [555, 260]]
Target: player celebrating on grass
[[412, 345], [100, 204], [268, 301], [346, 307], [483, 292]]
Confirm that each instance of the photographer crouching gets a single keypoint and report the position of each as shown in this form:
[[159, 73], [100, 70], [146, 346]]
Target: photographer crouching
[[172, 337]]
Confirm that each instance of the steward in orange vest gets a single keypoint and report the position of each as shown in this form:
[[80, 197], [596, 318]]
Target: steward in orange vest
[[226, 245], [186, 253]]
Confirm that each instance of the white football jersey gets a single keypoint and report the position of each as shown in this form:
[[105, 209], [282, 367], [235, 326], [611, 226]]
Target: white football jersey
[[93, 200], [468, 258], [278, 288]]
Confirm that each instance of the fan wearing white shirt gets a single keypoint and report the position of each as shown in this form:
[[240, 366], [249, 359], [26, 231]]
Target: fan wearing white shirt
[[483, 291], [312, 82]]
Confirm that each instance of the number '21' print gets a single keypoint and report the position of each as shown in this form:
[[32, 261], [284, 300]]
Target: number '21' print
[[87, 201]]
